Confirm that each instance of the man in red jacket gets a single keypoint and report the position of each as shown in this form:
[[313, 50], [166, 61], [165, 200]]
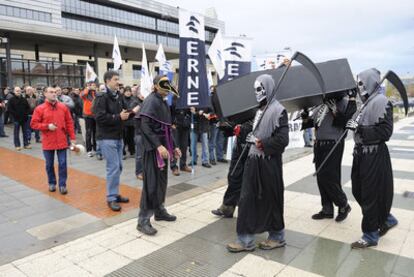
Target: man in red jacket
[[54, 120]]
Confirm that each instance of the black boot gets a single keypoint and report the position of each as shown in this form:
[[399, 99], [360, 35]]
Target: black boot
[[145, 227], [224, 211], [343, 213], [164, 215]]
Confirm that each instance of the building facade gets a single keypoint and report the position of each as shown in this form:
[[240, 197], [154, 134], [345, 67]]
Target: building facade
[[46, 42]]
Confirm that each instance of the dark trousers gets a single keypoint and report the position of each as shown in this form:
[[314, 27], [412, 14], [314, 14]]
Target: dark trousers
[[232, 194], [182, 139], [17, 126], [128, 135], [138, 154], [30, 131], [50, 169], [329, 177], [90, 125], [76, 123], [372, 185]]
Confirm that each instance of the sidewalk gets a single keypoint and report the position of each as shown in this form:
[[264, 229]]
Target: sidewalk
[[195, 244]]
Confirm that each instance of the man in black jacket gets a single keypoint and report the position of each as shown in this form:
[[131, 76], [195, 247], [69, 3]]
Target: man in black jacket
[[19, 108], [110, 116]]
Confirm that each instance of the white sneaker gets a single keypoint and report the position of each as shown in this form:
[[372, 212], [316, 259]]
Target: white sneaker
[[90, 154]]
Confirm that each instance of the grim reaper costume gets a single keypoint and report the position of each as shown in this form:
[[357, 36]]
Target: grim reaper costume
[[156, 131], [372, 178], [261, 199], [329, 120]]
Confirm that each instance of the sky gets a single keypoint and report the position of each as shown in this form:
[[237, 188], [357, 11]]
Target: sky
[[368, 33]]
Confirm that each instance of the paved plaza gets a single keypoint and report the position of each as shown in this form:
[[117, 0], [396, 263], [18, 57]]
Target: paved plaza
[[47, 234]]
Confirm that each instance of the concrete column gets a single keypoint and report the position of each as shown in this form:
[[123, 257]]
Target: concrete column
[[9, 80]]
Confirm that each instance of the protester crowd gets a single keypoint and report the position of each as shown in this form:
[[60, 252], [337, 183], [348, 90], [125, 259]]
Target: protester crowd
[[17, 106]]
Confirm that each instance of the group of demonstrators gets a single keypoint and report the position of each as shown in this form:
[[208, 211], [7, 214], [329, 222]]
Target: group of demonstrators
[[116, 120]]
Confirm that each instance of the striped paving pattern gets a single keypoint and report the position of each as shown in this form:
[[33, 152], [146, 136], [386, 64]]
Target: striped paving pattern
[[195, 244]]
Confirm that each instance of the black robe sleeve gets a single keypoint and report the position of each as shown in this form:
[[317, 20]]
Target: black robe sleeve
[[379, 132], [341, 118], [151, 139], [280, 137]]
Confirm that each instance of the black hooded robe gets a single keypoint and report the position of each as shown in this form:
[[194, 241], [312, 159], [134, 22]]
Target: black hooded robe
[[372, 178], [261, 200], [156, 130]]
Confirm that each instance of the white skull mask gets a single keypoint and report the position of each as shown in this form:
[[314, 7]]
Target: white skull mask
[[259, 91]]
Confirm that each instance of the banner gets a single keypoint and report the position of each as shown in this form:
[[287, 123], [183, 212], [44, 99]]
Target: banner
[[193, 86], [237, 56], [116, 55], [146, 80]]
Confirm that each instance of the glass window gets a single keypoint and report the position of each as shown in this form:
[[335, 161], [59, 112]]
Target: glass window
[[35, 15], [23, 13], [42, 16], [9, 11], [29, 14], [136, 71]]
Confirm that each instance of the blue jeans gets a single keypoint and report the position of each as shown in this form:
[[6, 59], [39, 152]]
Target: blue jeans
[[248, 240], [24, 127], [307, 136], [50, 168], [204, 147], [215, 143], [112, 152], [2, 133], [138, 154]]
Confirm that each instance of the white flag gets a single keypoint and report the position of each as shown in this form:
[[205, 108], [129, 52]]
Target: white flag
[[116, 55], [216, 54], [210, 78], [146, 82], [90, 75], [165, 66]]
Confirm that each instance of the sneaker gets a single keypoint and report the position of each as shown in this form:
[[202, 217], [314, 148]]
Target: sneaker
[[18, 148], [52, 188], [236, 247], [271, 244], [113, 205], [90, 154], [99, 157], [63, 190], [140, 177], [147, 229], [343, 213], [321, 215], [121, 199], [206, 165], [195, 163], [4, 136], [360, 244], [38, 141], [213, 162], [222, 161], [28, 147]]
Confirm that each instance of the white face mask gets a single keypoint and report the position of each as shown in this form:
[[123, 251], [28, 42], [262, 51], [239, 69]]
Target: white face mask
[[362, 90], [259, 91]]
